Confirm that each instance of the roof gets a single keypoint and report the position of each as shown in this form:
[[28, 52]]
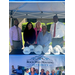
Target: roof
[[36, 9]]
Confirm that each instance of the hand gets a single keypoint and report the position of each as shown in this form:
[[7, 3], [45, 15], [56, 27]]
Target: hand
[[32, 43], [27, 42], [62, 42], [41, 73], [43, 45], [12, 47]]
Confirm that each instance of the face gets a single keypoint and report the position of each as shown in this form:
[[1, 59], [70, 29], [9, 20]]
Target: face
[[12, 66], [55, 19], [32, 69], [38, 25], [57, 68], [47, 72], [16, 23], [42, 71], [27, 71], [36, 71], [29, 26], [53, 72], [44, 29]]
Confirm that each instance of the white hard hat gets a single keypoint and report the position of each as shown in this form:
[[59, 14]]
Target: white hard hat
[[31, 47], [59, 47], [56, 50], [38, 51], [39, 46], [46, 50], [51, 48], [26, 50], [63, 50]]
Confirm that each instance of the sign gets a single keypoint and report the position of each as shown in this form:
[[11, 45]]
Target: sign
[[46, 62]]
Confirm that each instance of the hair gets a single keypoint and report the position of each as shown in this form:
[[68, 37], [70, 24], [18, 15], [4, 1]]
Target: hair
[[47, 70], [37, 22], [27, 69], [52, 70], [44, 26], [33, 68], [16, 20], [42, 69], [55, 16], [27, 25], [57, 67]]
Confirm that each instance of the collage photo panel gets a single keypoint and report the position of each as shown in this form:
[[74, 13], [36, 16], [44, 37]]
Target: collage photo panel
[[37, 38]]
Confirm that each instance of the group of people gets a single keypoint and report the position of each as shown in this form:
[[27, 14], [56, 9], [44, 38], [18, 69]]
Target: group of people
[[38, 35], [34, 71]]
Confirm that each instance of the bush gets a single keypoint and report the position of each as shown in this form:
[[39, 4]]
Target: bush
[[63, 23], [33, 25], [42, 24], [24, 25], [49, 25]]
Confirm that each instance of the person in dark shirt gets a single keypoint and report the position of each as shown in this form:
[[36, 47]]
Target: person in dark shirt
[[29, 35]]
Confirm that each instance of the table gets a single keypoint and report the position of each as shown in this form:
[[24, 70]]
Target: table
[[20, 52]]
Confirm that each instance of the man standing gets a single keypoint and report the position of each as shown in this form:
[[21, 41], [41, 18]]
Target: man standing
[[15, 36], [57, 31]]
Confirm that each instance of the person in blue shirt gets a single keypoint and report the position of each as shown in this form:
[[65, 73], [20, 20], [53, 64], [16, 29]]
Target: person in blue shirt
[[58, 71], [52, 72], [32, 71], [42, 72], [47, 72], [36, 70], [44, 38], [18, 71]]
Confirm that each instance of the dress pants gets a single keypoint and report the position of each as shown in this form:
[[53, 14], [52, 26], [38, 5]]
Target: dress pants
[[17, 48], [57, 41]]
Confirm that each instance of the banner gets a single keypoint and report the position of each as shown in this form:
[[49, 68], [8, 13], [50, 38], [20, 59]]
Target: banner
[[46, 62]]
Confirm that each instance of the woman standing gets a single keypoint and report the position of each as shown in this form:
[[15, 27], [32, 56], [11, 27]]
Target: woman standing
[[47, 72], [53, 72], [32, 71], [29, 35], [37, 29]]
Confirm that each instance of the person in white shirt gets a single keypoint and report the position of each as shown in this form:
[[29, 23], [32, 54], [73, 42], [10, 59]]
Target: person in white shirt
[[57, 31]]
